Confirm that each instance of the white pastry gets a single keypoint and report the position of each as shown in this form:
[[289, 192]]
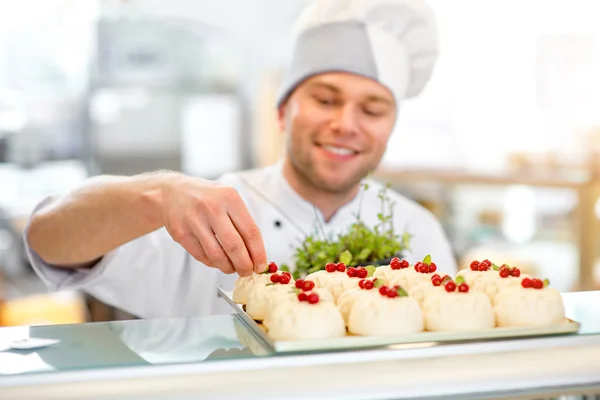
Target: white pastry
[[349, 297], [526, 307], [424, 289], [320, 278], [341, 284], [296, 320], [470, 276], [376, 315], [262, 298], [407, 280], [386, 273], [457, 311], [491, 284], [324, 295], [244, 284]]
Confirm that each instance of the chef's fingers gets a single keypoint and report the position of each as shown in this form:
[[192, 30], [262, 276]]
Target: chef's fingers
[[214, 254], [249, 232], [231, 242], [192, 246]]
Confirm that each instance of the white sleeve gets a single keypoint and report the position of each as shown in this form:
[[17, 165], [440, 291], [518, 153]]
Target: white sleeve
[[152, 276]]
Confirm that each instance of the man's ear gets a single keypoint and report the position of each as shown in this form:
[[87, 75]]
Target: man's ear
[[281, 117]]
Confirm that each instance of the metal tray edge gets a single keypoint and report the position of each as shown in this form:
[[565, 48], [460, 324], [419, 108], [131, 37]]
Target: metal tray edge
[[247, 321]]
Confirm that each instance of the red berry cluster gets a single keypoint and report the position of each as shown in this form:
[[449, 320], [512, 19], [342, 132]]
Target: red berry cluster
[[449, 284], [397, 264], [366, 284], [532, 283], [333, 267], [284, 278], [481, 266], [311, 298], [272, 268], [392, 292], [306, 286], [437, 280], [359, 272], [506, 271], [425, 268]]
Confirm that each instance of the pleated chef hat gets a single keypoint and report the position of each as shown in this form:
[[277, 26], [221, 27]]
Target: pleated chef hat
[[394, 42]]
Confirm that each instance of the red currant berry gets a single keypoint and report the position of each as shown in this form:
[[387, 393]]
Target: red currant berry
[[504, 273], [474, 266], [299, 283], [404, 264], [392, 293], [463, 287], [369, 285], [446, 278], [272, 267], [302, 296], [483, 267], [284, 279], [417, 266], [537, 283], [526, 283], [436, 276], [436, 281], [275, 278], [424, 268], [450, 286], [487, 262], [515, 272], [307, 286], [432, 268], [395, 263], [340, 267], [361, 284], [362, 273], [351, 272], [330, 267], [383, 290], [313, 298]]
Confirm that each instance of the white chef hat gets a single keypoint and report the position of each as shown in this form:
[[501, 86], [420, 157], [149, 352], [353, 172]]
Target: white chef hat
[[394, 42]]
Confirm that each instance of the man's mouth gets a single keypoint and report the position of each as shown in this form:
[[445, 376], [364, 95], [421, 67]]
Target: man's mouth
[[340, 151]]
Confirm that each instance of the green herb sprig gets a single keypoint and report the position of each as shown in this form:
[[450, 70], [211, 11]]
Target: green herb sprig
[[360, 245]]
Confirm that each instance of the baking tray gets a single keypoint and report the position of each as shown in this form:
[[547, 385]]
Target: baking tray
[[351, 342]]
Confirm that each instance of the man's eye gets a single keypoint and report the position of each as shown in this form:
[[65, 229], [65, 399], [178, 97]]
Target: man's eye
[[374, 113], [325, 101]]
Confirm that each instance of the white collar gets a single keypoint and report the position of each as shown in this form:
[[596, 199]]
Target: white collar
[[297, 206]]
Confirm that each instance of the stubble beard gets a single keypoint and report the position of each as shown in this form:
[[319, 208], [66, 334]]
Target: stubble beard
[[306, 171]]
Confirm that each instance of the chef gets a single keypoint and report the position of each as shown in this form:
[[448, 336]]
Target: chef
[[160, 244]]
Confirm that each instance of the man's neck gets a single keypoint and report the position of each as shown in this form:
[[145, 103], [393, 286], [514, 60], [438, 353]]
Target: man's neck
[[327, 202]]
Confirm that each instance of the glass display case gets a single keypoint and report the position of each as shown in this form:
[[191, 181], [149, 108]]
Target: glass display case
[[216, 357]]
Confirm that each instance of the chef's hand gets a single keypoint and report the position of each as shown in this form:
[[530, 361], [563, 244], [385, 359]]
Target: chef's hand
[[212, 223]]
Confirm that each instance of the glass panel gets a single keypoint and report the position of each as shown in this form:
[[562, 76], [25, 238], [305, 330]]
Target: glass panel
[[174, 341]]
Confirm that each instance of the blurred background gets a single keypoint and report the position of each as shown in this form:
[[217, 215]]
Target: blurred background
[[503, 144]]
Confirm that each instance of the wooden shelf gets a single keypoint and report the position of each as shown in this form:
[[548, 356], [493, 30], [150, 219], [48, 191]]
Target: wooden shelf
[[556, 180], [586, 185]]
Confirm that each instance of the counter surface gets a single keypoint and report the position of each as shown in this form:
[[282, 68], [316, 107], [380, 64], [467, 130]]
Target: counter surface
[[218, 346]]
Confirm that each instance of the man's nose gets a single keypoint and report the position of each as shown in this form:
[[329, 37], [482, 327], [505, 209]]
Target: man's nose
[[346, 120]]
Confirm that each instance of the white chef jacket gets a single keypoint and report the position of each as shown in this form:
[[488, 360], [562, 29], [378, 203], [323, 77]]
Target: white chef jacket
[[153, 276]]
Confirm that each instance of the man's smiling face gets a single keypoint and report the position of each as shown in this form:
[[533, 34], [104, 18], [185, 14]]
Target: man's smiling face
[[337, 127]]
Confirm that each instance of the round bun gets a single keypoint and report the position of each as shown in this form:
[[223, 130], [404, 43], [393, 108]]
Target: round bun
[[377, 315], [520, 307], [296, 320], [457, 311]]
